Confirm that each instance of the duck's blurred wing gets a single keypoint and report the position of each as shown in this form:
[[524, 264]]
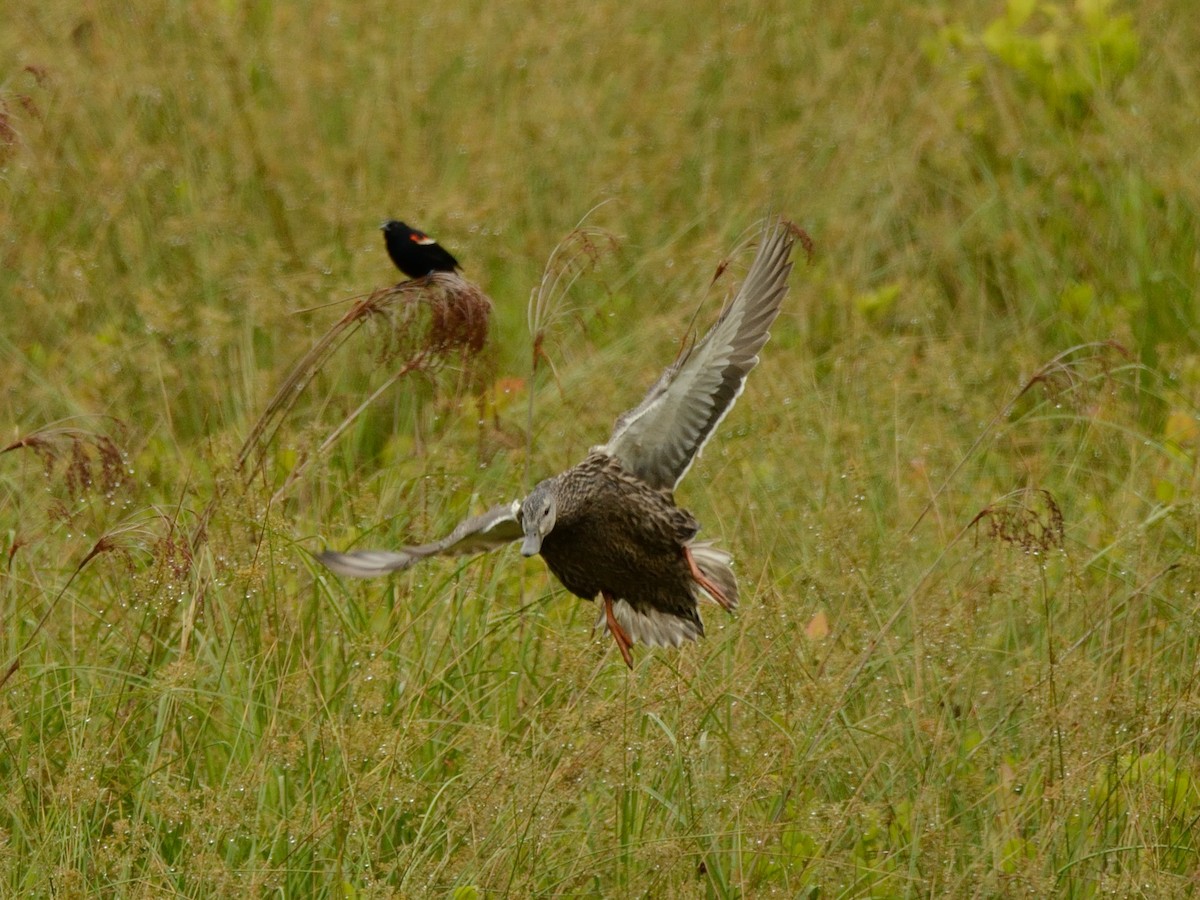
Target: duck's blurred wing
[[659, 439], [498, 526]]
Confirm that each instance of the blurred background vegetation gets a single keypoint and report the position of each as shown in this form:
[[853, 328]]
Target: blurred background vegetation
[[960, 487]]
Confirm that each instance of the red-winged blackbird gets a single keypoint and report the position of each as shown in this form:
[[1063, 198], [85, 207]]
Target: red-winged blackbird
[[414, 252]]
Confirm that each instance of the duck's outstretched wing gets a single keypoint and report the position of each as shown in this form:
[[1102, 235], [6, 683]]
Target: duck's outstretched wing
[[659, 439], [498, 526]]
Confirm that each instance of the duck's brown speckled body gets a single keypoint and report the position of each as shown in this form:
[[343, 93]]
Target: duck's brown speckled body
[[616, 536]]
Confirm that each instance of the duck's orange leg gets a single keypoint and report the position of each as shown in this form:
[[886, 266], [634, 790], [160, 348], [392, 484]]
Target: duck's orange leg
[[618, 633], [705, 582]]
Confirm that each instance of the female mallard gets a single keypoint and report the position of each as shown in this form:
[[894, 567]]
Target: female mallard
[[609, 527]]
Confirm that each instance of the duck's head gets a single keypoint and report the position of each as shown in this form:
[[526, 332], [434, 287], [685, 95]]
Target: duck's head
[[538, 513]]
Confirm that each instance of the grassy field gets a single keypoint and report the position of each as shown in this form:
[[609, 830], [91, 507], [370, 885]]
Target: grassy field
[[960, 488]]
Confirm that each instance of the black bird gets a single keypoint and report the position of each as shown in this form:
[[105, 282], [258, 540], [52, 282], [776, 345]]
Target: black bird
[[414, 252], [608, 527]]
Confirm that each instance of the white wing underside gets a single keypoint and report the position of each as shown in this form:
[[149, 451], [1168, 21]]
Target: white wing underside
[[494, 528], [659, 439]]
